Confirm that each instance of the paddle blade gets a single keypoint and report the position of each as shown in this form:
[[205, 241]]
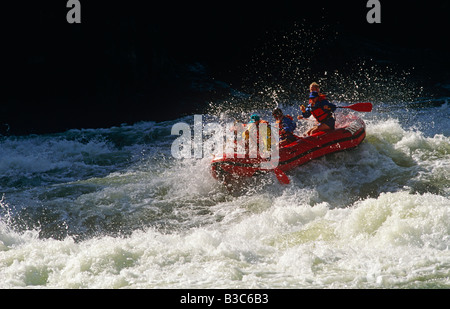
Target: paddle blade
[[281, 176], [360, 107]]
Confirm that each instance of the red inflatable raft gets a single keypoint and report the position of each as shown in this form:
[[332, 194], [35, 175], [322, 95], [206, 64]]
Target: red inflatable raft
[[349, 133]]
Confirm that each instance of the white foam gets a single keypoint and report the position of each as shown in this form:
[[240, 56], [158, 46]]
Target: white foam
[[375, 216]]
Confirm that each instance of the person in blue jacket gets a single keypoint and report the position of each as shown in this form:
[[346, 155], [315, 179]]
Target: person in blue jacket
[[322, 110], [286, 126]]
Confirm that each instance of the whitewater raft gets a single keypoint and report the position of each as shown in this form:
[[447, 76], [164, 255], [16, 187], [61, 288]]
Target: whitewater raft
[[350, 131]]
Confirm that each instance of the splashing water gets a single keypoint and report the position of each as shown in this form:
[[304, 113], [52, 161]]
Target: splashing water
[[111, 208]]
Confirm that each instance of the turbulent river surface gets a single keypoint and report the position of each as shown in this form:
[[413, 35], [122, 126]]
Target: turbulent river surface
[[112, 208]]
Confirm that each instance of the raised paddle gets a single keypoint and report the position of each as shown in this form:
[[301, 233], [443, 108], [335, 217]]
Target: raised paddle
[[359, 107]]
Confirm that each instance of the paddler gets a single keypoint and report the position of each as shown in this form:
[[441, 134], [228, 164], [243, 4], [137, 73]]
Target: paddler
[[286, 126], [322, 110], [254, 122], [314, 87]]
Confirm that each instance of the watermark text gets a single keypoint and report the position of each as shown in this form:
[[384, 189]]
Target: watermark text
[[74, 14], [374, 14], [231, 140]]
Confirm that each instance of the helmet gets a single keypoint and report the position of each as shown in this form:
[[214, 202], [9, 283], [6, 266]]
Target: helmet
[[254, 118]]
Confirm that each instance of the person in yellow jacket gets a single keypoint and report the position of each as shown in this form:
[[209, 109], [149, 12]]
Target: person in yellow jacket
[[254, 122]]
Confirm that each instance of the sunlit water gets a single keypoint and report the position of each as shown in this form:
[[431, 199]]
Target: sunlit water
[[111, 208]]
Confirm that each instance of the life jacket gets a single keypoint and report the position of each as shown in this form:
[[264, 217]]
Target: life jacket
[[283, 133], [289, 116], [322, 96], [266, 140], [319, 113]]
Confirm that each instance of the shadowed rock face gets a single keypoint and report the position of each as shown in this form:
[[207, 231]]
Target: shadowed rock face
[[132, 62]]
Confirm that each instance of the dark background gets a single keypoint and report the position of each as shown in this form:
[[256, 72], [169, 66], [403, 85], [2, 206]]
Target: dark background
[[127, 61]]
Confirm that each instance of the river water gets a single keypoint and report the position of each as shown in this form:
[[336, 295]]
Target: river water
[[111, 208]]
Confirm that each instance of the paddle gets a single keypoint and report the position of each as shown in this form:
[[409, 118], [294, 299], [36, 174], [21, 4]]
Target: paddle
[[359, 107], [281, 176]]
